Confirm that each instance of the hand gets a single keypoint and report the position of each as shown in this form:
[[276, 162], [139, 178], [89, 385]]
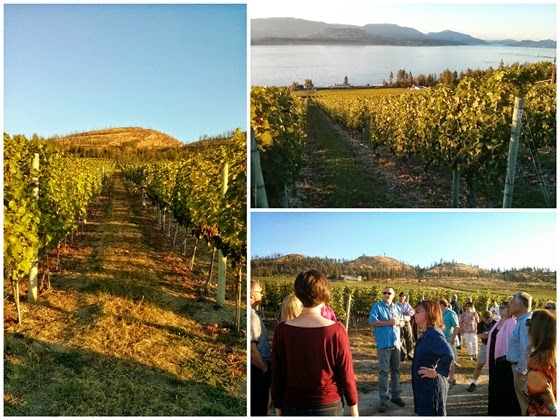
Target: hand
[[426, 372], [394, 321]]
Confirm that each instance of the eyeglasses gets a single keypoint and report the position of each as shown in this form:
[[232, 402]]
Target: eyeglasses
[[503, 307], [418, 312], [387, 293], [548, 307]]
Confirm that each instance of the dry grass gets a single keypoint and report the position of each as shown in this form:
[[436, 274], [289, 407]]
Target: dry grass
[[123, 330]]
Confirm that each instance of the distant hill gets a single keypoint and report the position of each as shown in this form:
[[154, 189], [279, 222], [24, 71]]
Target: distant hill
[[280, 31], [124, 137], [299, 31], [383, 267]]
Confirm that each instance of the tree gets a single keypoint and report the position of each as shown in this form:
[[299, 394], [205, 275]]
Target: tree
[[391, 79], [345, 80], [308, 84]]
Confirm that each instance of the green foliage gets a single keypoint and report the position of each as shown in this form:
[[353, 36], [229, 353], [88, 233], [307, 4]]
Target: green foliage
[[464, 127], [278, 120], [65, 188], [191, 190]]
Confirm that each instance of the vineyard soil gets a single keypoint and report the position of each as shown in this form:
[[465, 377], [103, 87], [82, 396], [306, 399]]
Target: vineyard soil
[[372, 178], [124, 328]]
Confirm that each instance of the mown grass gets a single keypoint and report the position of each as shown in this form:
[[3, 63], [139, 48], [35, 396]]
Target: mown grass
[[339, 181], [123, 332]]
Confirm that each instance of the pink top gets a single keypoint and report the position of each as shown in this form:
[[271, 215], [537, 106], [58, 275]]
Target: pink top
[[468, 322], [501, 339], [328, 313]]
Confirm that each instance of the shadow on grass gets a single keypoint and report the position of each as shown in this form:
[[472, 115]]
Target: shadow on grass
[[45, 379]]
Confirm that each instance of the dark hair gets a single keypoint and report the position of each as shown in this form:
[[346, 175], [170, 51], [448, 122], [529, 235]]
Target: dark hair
[[433, 312], [313, 288]]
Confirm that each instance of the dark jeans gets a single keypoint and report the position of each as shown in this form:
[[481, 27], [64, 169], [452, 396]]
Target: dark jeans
[[260, 389], [334, 409]]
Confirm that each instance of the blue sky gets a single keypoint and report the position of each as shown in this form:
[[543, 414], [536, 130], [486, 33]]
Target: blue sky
[[179, 69], [500, 239], [487, 21]]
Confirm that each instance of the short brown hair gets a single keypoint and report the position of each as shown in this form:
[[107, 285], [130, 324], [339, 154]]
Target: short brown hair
[[487, 315], [433, 312], [444, 302], [313, 288]]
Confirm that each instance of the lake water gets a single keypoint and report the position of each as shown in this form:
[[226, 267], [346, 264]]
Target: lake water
[[280, 65]]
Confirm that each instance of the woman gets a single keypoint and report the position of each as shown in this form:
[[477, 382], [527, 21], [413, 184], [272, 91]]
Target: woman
[[540, 387], [311, 359], [467, 325], [291, 308], [432, 360], [500, 375]]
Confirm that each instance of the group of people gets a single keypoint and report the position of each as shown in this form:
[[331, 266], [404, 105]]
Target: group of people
[[309, 367]]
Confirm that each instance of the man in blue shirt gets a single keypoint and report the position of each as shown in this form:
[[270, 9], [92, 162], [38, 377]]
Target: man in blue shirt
[[386, 319], [520, 307]]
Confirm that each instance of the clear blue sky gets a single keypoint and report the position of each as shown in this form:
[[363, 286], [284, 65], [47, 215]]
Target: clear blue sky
[[180, 69], [485, 21], [500, 239]]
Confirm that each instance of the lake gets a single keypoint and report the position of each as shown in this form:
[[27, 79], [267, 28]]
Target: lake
[[280, 65]]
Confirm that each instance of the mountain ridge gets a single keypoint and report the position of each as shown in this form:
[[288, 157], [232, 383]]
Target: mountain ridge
[[280, 31]]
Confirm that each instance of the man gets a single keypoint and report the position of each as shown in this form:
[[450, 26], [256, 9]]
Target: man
[[406, 331], [386, 319], [482, 330], [450, 330], [260, 357], [495, 309], [520, 307], [458, 309]]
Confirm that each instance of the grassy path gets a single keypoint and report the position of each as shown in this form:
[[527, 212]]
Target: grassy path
[[333, 177], [122, 331]]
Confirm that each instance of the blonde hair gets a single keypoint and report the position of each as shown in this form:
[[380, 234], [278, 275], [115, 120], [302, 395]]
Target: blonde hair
[[291, 308]]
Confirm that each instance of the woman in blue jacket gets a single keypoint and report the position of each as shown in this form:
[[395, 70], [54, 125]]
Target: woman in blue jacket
[[432, 359]]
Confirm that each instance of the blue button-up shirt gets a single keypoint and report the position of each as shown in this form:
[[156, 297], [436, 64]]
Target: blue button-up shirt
[[518, 343], [387, 336]]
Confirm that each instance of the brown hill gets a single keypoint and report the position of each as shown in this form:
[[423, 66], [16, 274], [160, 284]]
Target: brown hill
[[455, 269], [377, 263], [124, 137]]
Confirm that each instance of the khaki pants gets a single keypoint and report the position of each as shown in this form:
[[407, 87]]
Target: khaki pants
[[518, 380]]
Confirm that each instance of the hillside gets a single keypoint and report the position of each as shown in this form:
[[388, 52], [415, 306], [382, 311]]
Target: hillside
[[123, 137], [299, 31]]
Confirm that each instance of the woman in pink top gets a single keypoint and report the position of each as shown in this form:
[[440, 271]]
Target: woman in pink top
[[311, 360], [502, 400], [467, 325]]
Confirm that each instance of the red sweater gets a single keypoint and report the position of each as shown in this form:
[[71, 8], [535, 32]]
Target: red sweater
[[312, 367]]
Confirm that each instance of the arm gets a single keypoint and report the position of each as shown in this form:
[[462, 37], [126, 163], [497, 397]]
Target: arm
[[354, 410], [256, 358], [454, 335]]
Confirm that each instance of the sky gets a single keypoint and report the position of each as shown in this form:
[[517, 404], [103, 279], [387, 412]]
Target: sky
[[500, 239], [493, 21], [179, 69]]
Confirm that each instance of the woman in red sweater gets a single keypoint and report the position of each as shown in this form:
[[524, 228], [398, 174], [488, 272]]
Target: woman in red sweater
[[311, 360]]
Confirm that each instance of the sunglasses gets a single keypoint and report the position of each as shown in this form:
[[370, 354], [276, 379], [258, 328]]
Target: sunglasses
[[387, 293]]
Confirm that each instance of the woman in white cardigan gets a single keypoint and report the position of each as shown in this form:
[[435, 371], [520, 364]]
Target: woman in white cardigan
[[502, 400]]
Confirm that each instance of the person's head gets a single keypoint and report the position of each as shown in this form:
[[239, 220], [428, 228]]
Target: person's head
[[504, 310], [428, 314], [468, 300], [542, 332], [494, 303], [388, 294], [453, 297], [520, 303], [312, 288], [291, 308], [487, 317], [256, 293], [469, 307], [550, 305], [444, 304], [402, 297]]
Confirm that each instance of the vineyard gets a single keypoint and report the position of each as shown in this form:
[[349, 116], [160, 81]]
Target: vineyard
[[461, 130], [128, 316], [363, 296]]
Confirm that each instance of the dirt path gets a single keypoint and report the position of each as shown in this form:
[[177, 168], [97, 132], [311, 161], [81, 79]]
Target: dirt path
[[124, 329]]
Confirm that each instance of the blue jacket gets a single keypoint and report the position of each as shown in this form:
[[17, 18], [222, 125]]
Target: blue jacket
[[430, 395]]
